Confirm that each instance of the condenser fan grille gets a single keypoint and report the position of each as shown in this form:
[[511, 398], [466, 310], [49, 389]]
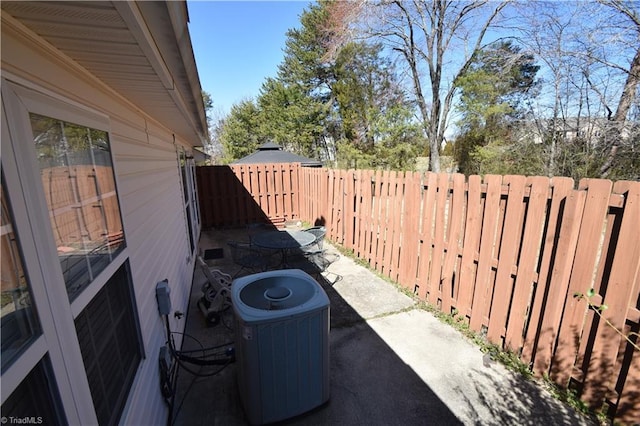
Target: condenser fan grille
[[275, 293]]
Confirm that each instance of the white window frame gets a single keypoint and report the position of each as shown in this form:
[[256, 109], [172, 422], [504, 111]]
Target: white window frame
[[33, 227], [190, 197]]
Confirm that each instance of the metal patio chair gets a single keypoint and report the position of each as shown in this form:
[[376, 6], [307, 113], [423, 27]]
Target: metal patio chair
[[315, 263], [319, 232], [251, 258]]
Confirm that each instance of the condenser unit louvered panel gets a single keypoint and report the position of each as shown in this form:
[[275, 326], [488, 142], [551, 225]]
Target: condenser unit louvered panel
[[282, 352]]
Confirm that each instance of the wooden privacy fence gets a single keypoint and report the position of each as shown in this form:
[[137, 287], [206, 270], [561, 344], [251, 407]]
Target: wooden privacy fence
[[248, 193], [506, 254]]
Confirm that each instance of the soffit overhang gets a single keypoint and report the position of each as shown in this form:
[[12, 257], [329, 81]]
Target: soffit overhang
[[141, 50]]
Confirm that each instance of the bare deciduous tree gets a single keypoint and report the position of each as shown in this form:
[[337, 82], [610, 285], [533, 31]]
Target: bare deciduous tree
[[437, 41], [591, 57], [628, 11], [546, 31]]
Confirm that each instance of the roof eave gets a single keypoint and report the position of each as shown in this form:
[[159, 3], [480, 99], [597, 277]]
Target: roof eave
[[177, 14]]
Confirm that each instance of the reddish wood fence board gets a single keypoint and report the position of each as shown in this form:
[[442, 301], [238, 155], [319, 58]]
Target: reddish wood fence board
[[243, 194], [438, 232], [426, 233], [616, 292], [527, 262], [511, 243], [561, 188], [452, 246], [483, 287], [83, 205], [410, 245], [470, 246], [591, 229], [396, 216], [559, 281]]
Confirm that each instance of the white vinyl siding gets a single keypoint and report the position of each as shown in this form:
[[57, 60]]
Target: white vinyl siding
[[151, 202]]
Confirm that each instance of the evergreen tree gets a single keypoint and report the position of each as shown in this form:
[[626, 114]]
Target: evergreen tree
[[291, 118], [493, 91], [240, 134], [346, 108], [297, 104]]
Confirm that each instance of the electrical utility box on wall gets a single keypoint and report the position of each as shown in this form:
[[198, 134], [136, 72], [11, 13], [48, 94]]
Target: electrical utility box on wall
[[163, 297], [282, 344]]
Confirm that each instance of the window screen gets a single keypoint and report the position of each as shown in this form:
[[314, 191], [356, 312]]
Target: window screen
[[108, 335]]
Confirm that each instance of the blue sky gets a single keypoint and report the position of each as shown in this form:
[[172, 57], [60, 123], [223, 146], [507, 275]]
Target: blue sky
[[237, 44]]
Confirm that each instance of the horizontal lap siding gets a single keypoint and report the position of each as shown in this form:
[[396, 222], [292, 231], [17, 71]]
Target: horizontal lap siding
[[148, 183], [152, 204]]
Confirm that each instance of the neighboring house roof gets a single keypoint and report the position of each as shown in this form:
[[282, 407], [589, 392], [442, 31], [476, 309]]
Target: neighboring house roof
[[141, 50], [200, 156], [272, 153]]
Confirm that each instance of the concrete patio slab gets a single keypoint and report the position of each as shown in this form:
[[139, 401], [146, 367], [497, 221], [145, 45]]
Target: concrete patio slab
[[365, 293], [391, 363], [475, 388]]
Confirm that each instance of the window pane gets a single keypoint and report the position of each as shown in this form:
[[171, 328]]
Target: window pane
[[77, 175], [35, 400], [108, 337], [194, 194], [19, 321], [183, 171], [187, 172]]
